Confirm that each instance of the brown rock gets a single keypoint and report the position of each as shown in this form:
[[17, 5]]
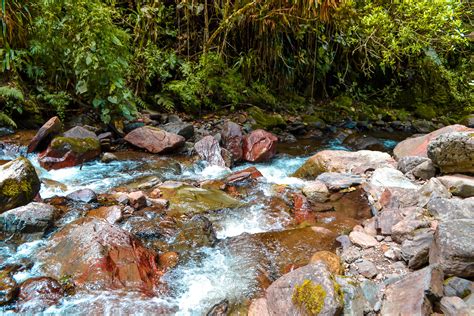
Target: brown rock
[[137, 199], [209, 150], [259, 146], [250, 173], [418, 146], [154, 140], [362, 239], [98, 255], [332, 261], [232, 139], [8, 286], [45, 133], [168, 260], [37, 294], [111, 214]]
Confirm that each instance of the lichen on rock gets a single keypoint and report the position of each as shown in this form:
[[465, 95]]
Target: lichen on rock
[[309, 296]]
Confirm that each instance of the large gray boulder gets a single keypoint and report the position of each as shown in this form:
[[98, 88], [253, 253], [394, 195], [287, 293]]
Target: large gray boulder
[[31, 218], [459, 184], [453, 152], [449, 209], [453, 247], [19, 184]]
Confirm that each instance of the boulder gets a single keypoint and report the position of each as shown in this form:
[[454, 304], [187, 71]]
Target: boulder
[[31, 218], [459, 184], [424, 171], [258, 307], [179, 128], [343, 162], [259, 146], [407, 228], [453, 248], [209, 150], [154, 140], [19, 184], [40, 141], [415, 251], [37, 294], [458, 287], [418, 146], [336, 181], [137, 200], [454, 306], [354, 300], [453, 152], [449, 209], [309, 290], [79, 132], [64, 152], [391, 178], [432, 189], [83, 195], [97, 255], [265, 120], [414, 294], [316, 191], [232, 139], [408, 163], [386, 220], [330, 259]]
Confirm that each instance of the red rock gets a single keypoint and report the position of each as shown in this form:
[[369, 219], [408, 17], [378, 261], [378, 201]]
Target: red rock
[[37, 294], [259, 146], [111, 214], [208, 149], [97, 255], [50, 128], [250, 173], [137, 200], [232, 139], [418, 146], [154, 140]]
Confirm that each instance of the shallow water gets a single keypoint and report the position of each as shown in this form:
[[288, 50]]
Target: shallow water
[[210, 275]]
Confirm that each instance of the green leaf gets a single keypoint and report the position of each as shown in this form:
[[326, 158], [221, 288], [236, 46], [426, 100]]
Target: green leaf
[[112, 99], [81, 87]]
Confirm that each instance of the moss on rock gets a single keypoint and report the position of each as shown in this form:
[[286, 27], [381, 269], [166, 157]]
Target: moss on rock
[[264, 120], [309, 297], [77, 145]]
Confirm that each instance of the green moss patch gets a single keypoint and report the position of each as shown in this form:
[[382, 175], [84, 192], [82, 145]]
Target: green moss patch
[[265, 120], [309, 297], [77, 145]]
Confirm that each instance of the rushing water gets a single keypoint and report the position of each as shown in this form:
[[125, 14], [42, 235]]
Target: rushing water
[[210, 275]]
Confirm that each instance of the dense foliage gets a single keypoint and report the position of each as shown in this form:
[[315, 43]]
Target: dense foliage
[[198, 55]]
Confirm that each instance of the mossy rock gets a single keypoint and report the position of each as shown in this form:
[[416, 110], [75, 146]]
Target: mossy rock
[[309, 297], [76, 145], [19, 184], [424, 111], [264, 120]]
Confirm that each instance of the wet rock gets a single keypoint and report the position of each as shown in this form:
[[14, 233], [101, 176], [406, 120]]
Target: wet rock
[[168, 260], [250, 173], [40, 141], [220, 309], [98, 255], [453, 306], [307, 290], [137, 200], [19, 184], [408, 163], [431, 190], [83, 195], [196, 233], [259, 146], [31, 218], [424, 171], [336, 181], [108, 157], [316, 191], [179, 128], [154, 140], [209, 150], [459, 184], [415, 251], [453, 152], [343, 162], [453, 248], [330, 259], [111, 214], [414, 294], [191, 200], [362, 239], [232, 139], [8, 286], [449, 209], [418, 146], [64, 152], [37, 294], [458, 287], [389, 177]]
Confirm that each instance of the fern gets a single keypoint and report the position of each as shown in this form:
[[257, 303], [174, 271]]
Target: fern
[[5, 119], [7, 92]]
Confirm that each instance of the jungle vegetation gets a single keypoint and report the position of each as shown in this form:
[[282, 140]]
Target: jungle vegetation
[[119, 56]]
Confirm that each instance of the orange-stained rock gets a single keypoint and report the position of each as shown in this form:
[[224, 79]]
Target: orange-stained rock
[[111, 214], [50, 128], [250, 173], [332, 261], [168, 260], [98, 255], [259, 146], [154, 139]]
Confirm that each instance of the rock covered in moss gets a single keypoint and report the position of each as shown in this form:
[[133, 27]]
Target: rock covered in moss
[[265, 120], [19, 184], [309, 290], [343, 162], [453, 152]]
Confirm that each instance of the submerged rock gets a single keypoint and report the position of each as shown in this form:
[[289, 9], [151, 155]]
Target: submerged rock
[[154, 140], [51, 128], [418, 146], [19, 184], [64, 151], [343, 162], [453, 152], [259, 146], [97, 255], [37, 294]]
